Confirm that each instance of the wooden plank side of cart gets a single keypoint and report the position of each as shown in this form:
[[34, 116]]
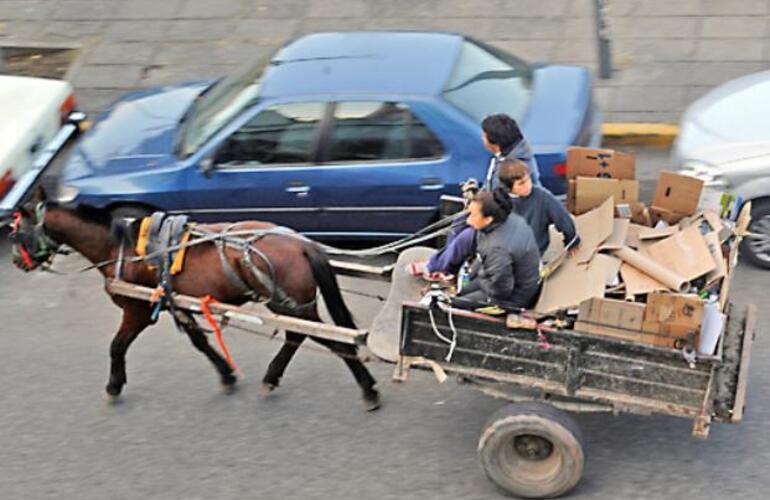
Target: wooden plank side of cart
[[246, 315], [630, 377], [749, 331]]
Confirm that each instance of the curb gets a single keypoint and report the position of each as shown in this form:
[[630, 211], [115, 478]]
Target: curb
[[639, 134]]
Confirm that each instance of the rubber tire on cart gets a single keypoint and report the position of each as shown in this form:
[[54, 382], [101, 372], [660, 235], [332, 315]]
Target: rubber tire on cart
[[532, 450], [755, 250]]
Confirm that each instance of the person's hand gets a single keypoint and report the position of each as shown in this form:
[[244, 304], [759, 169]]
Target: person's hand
[[469, 188], [574, 251]]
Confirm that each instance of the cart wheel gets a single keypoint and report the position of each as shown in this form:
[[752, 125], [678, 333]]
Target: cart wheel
[[532, 450]]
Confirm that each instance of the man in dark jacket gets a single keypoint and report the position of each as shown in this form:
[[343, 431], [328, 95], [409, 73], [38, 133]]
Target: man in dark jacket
[[507, 273], [538, 206]]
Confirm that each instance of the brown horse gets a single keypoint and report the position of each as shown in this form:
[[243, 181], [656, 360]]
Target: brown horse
[[298, 266]]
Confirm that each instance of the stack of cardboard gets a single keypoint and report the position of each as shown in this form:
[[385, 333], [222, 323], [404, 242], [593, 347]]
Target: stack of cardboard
[[641, 275]]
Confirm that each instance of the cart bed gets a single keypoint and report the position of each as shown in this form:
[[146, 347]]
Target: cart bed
[[623, 375]]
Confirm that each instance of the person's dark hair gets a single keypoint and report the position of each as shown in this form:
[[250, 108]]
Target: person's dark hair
[[512, 170], [496, 204], [502, 131]]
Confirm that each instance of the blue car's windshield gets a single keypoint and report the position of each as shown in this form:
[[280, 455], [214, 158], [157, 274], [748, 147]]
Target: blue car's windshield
[[220, 104], [487, 80]]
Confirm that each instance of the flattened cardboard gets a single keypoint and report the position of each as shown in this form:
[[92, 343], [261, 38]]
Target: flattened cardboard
[[594, 227], [714, 221], [594, 162], [676, 196], [591, 192], [573, 283], [613, 318], [618, 237], [649, 233], [632, 237], [743, 220], [555, 245], [715, 248], [613, 268], [684, 253]]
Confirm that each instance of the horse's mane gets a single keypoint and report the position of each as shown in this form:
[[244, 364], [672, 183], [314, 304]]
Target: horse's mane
[[119, 228]]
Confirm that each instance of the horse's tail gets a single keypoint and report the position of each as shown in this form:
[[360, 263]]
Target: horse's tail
[[327, 282]]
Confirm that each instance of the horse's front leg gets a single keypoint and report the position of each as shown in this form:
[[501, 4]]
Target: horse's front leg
[[136, 317], [198, 338]]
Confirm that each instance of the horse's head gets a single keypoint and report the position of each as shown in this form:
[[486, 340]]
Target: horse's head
[[32, 247]]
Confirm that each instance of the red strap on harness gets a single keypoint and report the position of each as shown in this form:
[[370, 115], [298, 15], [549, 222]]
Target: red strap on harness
[[27, 259], [205, 301], [22, 251]]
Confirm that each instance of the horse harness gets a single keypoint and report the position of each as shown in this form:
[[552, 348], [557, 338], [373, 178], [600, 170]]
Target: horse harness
[[164, 239], [31, 247]]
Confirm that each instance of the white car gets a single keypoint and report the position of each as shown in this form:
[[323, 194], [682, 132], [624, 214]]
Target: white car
[[38, 118], [742, 169], [724, 139], [736, 111]]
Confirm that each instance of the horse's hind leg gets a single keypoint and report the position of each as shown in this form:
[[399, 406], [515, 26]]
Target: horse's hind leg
[[349, 354], [136, 317], [198, 338], [281, 361]]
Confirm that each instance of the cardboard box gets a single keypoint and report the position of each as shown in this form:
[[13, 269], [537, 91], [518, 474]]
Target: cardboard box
[[676, 196], [612, 318], [591, 192], [604, 163], [675, 318]]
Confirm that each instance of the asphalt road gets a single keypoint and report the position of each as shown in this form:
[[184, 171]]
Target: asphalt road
[[174, 435]]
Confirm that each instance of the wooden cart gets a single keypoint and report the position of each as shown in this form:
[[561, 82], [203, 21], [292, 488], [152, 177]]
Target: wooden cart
[[531, 447]]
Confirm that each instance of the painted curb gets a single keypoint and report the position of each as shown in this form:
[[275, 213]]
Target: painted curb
[[640, 134]]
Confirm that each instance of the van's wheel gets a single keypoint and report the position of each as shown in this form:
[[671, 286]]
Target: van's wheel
[[532, 450]]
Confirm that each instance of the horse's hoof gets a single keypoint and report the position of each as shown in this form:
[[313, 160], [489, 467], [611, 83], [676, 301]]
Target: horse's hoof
[[111, 399], [229, 388], [372, 401], [267, 388]]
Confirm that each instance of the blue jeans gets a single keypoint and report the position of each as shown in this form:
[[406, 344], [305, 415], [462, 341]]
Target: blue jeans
[[459, 247]]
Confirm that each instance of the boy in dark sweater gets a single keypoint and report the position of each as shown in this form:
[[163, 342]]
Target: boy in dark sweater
[[537, 205]]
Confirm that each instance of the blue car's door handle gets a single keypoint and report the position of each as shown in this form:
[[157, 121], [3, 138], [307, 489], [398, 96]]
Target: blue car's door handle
[[299, 189], [431, 184]]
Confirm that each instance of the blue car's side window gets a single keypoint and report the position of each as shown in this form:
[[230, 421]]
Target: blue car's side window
[[282, 134], [366, 131]]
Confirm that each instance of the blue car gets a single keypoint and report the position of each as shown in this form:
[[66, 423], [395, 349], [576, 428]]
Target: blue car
[[337, 135]]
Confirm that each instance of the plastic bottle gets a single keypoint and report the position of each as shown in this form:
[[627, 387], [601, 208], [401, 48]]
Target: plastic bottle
[[464, 277]]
